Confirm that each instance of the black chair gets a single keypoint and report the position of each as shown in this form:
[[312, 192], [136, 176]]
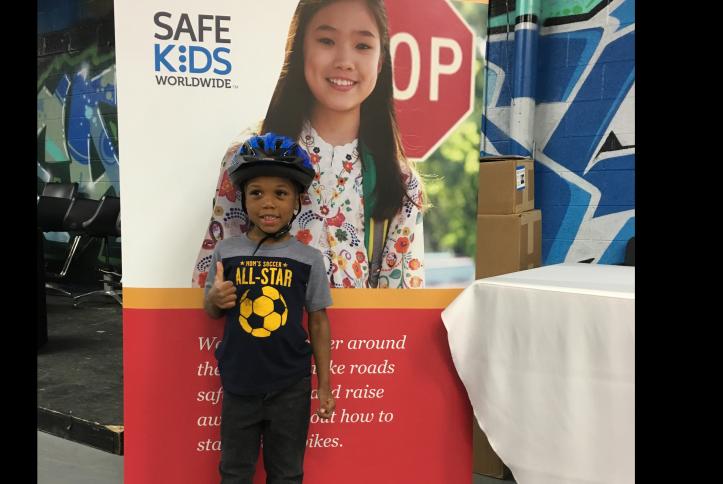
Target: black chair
[[53, 207], [60, 190], [52, 212], [105, 224], [80, 211]]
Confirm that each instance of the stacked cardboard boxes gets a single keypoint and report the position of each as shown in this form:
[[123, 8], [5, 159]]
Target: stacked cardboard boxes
[[509, 239], [509, 229]]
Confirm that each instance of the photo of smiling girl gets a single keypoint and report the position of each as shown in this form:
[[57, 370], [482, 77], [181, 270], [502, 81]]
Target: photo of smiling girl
[[335, 97]]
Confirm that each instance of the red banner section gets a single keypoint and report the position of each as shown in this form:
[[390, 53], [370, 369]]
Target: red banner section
[[402, 414]]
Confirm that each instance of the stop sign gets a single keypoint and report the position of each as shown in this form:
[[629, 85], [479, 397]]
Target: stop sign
[[432, 51]]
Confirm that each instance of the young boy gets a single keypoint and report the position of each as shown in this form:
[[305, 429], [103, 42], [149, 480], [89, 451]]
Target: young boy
[[261, 282]]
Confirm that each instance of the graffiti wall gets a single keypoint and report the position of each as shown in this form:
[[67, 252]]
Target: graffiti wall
[[76, 103], [77, 121], [561, 85], [77, 139]]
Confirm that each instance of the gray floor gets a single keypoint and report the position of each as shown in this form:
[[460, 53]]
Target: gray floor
[[80, 369], [62, 461]]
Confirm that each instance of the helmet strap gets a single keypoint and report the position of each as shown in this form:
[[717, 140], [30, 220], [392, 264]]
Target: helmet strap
[[278, 234]]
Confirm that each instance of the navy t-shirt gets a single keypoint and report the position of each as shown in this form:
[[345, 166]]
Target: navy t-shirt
[[264, 346]]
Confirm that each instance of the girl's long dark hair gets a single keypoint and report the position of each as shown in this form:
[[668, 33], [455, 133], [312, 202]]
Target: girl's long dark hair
[[292, 102]]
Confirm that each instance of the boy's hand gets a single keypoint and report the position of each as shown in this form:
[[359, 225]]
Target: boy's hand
[[223, 293], [326, 403]]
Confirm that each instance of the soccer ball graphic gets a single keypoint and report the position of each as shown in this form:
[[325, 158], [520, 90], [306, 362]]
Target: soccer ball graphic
[[262, 311]]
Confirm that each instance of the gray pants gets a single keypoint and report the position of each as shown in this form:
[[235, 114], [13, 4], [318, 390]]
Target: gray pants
[[280, 420]]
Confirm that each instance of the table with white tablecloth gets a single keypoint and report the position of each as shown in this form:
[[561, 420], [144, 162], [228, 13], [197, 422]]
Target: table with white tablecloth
[[547, 356]]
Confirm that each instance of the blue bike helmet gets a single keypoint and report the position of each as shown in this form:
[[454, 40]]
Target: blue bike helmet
[[271, 155]]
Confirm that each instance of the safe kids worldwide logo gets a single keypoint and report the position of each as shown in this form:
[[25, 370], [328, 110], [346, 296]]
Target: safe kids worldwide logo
[[192, 50]]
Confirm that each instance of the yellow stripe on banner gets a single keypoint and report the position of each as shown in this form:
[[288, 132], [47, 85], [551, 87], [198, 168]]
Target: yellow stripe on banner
[[393, 298], [192, 298], [162, 298]]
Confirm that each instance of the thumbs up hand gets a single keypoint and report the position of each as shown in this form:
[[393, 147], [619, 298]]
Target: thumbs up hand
[[223, 293]]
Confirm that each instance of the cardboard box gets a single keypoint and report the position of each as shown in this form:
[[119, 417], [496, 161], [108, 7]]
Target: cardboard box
[[508, 243], [506, 185], [484, 459]]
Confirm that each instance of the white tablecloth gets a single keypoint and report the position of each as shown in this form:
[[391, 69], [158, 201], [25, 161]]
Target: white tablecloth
[[547, 357]]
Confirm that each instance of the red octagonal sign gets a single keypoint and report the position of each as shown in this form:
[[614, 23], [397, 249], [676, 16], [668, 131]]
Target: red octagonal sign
[[433, 54]]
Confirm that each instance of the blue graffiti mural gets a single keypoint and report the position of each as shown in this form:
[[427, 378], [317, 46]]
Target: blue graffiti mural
[[77, 126], [583, 129]]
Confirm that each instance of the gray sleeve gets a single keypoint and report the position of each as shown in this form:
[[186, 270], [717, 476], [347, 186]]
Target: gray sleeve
[[211, 273], [318, 295]]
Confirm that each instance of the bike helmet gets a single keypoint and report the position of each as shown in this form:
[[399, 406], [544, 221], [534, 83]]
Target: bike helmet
[[271, 155]]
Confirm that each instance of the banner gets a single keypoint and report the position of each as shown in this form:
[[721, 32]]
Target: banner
[[402, 414], [190, 79]]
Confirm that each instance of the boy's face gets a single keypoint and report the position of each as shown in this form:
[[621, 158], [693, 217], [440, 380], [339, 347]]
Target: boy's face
[[342, 55], [270, 203]]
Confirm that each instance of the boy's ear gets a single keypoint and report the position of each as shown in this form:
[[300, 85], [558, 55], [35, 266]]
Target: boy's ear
[[379, 66]]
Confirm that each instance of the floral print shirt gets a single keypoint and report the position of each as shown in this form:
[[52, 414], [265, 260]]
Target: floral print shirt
[[332, 220]]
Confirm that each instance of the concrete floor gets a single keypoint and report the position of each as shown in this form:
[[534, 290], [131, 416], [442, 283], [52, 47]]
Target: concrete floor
[[61, 461]]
